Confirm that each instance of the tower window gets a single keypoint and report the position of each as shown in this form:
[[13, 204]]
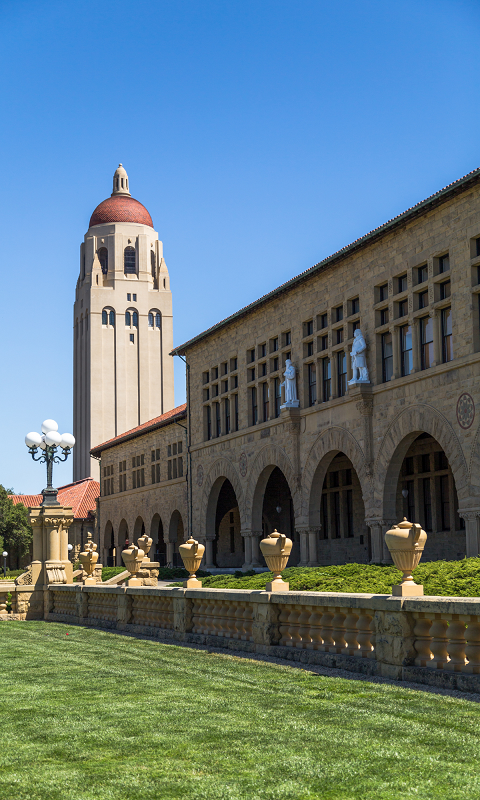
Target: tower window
[[152, 261], [132, 338], [129, 261], [150, 320], [103, 258], [112, 318], [128, 319], [158, 320], [104, 317], [135, 319]]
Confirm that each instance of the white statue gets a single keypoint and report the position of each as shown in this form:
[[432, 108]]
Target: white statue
[[291, 399], [359, 361]]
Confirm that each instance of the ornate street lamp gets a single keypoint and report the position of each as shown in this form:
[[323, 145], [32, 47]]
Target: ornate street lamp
[[49, 442], [4, 554]]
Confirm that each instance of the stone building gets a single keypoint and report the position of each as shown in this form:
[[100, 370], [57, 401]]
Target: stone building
[[123, 374], [144, 489], [337, 470]]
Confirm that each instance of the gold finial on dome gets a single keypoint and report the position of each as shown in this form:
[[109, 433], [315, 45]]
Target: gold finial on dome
[[120, 181]]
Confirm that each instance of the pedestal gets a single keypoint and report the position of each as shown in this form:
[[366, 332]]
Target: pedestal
[[89, 582], [192, 583], [277, 585], [407, 590], [133, 582], [50, 539]]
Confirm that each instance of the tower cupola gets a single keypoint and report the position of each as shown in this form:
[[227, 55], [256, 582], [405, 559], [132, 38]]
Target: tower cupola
[[120, 181]]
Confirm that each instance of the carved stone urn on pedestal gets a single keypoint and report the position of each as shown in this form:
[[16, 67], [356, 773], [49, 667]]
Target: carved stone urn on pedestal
[[132, 558], [145, 543], [276, 550], [88, 559], [406, 542], [192, 553]]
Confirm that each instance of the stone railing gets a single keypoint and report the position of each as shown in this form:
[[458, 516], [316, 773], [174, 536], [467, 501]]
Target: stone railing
[[432, 640]]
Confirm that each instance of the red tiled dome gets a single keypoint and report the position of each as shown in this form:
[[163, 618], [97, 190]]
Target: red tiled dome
[[120, 208]]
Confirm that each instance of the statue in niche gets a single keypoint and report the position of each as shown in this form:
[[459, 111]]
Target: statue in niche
[[359, 360], [290, 386]]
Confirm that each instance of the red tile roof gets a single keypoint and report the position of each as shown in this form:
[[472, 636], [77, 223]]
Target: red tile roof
[[158, 422], [120, 208], [80, 496]]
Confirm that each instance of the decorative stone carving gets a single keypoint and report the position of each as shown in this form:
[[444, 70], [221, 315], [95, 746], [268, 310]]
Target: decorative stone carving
[[199, 475], [88, 559], [132, 558], [26, 578], [243, 464], [145, 543], [406, 542], [465, 410], [192, 553], [290, 386], [365, 407], [359, 361], [276, 550]]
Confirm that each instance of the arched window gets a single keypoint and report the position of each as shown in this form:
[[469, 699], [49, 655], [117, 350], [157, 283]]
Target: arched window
[[158, 320], [104, 317], [164, 283], [135, 319], [128, 319], [129, 261], [152, 261], [112, 318], [103, 258], [150, 320]]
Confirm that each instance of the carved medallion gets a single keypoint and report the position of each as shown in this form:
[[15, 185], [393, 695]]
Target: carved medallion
[[465, 410], [242, 463], [199, 475]]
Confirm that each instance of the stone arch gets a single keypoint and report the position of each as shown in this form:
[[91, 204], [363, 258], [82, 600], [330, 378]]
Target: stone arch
[[403, 430], [157, 530], [328, 444], [122, 536], [138, 529], [267, 459], [474, 466], [176, 522], [221, 470], [108, 544]]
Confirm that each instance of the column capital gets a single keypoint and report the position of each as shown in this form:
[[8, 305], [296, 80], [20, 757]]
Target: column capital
[[469, 513]]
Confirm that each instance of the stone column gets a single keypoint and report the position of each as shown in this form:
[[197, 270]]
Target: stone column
[[312, 548], [378, 529], [170, 549], [50, 538], [255, 539], [471, 531], [248, 550], [209, 554]]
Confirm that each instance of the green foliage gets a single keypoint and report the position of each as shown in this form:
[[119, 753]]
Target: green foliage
[[443, 578], [11, 574], [110, 572], [150, 720], [171, 573], [15, 531]]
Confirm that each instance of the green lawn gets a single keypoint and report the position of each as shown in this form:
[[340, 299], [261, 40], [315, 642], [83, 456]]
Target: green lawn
[[99, 715]]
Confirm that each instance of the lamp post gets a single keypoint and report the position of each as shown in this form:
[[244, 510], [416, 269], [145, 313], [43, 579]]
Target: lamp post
[[49, 442], [4, 554]]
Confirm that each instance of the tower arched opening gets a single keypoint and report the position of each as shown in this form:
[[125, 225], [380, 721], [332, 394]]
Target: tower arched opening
[[159, 548], [223, 525]]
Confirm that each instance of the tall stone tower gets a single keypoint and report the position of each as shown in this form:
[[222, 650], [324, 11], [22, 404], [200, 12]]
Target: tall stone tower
[[123, 373]]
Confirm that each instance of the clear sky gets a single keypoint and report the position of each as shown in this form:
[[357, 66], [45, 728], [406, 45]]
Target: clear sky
[[262, 135]]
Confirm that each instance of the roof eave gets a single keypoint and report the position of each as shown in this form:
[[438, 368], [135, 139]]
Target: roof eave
[[98, 449]]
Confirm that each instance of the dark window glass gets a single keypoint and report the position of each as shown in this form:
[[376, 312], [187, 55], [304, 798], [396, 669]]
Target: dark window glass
[[158, 320], [265, 403], [426, 342], [209, 422], [445, 502], [443, 263], [324, 515], [128, 319], [338, 313], [383, 292], [234, 363], [410, 487], [253, 395], [262, 350], [355, 305], [274, 344], [355, 326], [251, 355], [277, 390], [323, 320], [447, 349], [218, 423], [288, 338], [312, 385], [349, 512], [341, 373], [348, 477], [309, 328], [336, 514], [326, 379], [132, 337], [427, 504], [324, 342], [445, 289], [135, 319], [340, 336], [111, 318], [422, 274], [425, 462], [263, 370], [409, 465], [129, 261], [275, 364], [309, 349], [227, 415], [150, 320], [104, 317], [384, 316], [235, 408], [477, 246], [103, 258], [152, 262], [442, 460], [215, 373], [387, 357], [403, 308], [402, 283], [423, 299], [406, 349]]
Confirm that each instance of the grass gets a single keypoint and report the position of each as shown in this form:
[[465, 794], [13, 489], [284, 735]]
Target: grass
[[444, 578], [96, 716], [12, 574]]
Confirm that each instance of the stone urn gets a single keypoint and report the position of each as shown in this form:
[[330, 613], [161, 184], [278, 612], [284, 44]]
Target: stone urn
[[88, 559], [406, 542], [145, 543], [276, 550], [192, 552], [132, 558]]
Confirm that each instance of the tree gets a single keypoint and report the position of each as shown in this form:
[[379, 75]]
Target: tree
[[15, 530]]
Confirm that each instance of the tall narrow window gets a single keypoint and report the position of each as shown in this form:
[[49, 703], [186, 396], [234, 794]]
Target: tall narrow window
[[387, 357], [135, 319], [209, 422], [227, 415], [447, 349], [326, 379], [158, 320], [426, 342], [152, 262], [128, 319], [406, 349], [235, 411], [103, 258], [104, 317], [443, 263], [278, 396], [218, 422], [111, 318], [427, 504], [150, 320], [324, 515], [312, 385], [341, 373], [349, 512], [445, 502], [336, 515], [265, 403], [129, 261], [253, 395], [410, 499]]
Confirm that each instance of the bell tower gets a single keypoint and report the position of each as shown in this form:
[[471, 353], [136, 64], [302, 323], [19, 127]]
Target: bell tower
[[122, 326]]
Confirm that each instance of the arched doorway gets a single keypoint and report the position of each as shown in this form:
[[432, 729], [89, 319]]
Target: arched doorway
[[159, 548], [228, 545], [337, 512], [175, 538], [426, 493], [109, 545], [273, 508], [122, 542], [138, 529]]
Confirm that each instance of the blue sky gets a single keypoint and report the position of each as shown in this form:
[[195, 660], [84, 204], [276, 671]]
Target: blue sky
[[261, 136]]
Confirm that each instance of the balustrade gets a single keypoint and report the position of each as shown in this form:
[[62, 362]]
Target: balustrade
[[64, 603], [102, 606], [152, 611], [231, 620], [447, 641], [330, 630]]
